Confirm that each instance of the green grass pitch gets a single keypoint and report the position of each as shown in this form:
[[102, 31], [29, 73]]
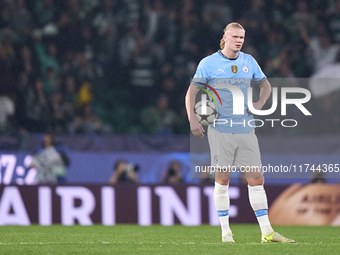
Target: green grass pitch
[[133, 239]]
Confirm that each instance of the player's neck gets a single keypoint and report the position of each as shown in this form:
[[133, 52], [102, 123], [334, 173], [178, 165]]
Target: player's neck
[[229, 53]]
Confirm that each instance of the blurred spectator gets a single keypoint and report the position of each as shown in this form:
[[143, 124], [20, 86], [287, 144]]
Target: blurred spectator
[[70, 97], [286, 72], [254, 22], [8, 71], [51, 83], [173, 174], [303, 17], [279, 11], [217, 14], [106, 49], [188, 32], [143, 71], [87, 122], [124, 173], [4, 15], [47, 60], [104, 17], [105, 23], [275, 43], [182, 123], [58, 108], [87, 43], [20, 20], [334, 22], [84, 95], [128, 43], [132, 12], [75, 10], [156, 27], [67, 33], [28, 67], [324, 52], [160, 119], [50, 163], [45, 11], [38, 108], [6, 111], [169, 89], [84, 70]]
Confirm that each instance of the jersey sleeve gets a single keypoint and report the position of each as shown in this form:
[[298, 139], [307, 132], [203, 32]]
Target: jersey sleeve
[[258, 75], [202, 74]]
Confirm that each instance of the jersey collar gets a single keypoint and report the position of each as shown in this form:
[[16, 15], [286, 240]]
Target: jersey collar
[[220, 52]]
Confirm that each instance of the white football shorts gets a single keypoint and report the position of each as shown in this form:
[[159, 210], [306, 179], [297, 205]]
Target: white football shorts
[[234, 150]]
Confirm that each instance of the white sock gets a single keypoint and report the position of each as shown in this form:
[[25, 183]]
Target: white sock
[[222, 202], [258, 201]]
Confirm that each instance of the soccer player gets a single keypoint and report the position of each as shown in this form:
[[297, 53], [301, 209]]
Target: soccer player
[[233, 143]]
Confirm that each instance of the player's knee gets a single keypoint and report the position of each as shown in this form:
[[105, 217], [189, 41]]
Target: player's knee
[[255, 181], [222, 181]]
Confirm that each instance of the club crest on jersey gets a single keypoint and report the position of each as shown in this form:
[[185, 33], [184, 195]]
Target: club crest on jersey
[[216, 159], [245, 69], [234, 69]]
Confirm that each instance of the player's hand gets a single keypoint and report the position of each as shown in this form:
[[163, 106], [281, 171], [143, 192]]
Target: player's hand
[[196, 128], [258, 106]]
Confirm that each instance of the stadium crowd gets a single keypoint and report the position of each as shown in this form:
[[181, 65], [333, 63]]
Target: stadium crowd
[[123, 66]]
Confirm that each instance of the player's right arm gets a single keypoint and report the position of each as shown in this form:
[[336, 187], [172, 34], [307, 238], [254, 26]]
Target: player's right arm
[[195, 127]]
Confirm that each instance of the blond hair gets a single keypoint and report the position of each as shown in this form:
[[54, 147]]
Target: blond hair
[[230, 25]]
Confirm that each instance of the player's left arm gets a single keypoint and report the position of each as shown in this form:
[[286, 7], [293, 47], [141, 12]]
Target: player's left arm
[[265, 91], [265, 87]]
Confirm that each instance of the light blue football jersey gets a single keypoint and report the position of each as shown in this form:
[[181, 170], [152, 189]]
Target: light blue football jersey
[[217, 69]]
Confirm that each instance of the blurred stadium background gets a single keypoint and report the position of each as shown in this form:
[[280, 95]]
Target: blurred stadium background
[[108, 77]]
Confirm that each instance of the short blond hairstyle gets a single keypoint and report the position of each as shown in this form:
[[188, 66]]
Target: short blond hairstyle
[[230, 25]]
